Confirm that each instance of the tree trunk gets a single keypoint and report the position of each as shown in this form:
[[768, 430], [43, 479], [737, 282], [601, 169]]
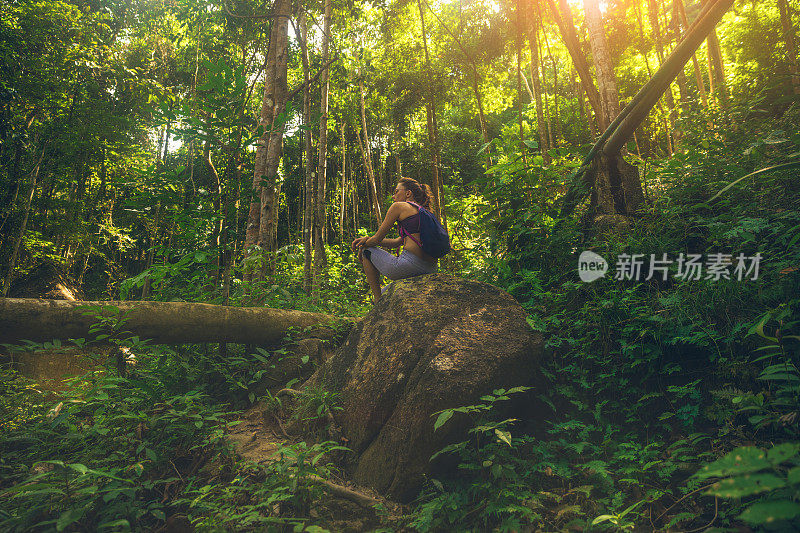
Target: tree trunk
[[267, 164], [655, 25], [649, 94], [12, 263], [570, 38], [366, 152], [537, 90], [430, 115], [342, 204], [651, 15], [151, 252], [698, 74], [162, 322], [605, 153], [518, 42], [669, 121], [265, 123], [308, 190], [216, 232], [683, 87], [716, 65], [617, 188], [320, 224], [606, 81], [555, 123], [791, 45], [476, 79]]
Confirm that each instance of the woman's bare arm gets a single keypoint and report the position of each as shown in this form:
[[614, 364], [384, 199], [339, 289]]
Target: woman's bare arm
[[391, 243], [392, 214]]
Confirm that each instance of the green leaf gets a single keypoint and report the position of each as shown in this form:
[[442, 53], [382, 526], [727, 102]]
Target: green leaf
[[67, 518], [793, 477], [746, 485], [117, 523], [444, 416], [603, 518], [79, 468], [742, 460], [504, 436], [770, 511], [530, 143], [782, 452]]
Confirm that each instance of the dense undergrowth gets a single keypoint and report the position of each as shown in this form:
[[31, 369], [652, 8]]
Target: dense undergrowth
[[674, 402]]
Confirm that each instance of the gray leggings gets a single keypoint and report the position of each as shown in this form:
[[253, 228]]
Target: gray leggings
[[404, 266]]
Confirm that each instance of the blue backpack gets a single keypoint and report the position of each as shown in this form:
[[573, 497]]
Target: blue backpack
[[435, 240]]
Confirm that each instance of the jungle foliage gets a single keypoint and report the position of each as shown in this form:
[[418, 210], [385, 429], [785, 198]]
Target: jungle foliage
[[128, 135]]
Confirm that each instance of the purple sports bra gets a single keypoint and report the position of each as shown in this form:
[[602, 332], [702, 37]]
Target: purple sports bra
[[410, 224]]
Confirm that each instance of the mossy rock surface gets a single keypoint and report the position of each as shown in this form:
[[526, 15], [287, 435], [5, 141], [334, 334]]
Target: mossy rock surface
[[431, 343]]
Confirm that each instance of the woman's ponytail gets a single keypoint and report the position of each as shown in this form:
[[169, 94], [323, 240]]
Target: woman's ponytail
[[428, 195], [421, 192]]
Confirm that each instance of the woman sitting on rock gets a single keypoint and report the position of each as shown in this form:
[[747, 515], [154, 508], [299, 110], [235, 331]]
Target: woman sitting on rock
[[413, 261]]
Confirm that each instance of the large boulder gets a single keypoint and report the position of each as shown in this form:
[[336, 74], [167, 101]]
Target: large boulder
[[431, 343]]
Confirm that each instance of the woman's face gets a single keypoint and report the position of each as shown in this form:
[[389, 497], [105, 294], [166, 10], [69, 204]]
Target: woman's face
[[401, 194]]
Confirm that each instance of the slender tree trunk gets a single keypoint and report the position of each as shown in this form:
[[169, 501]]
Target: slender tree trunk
[[146, 288], [12, 263], [537, 89], [791, 45], [652, 13], [669, 121], [342, 205], [548, 121], [367, 153], [518, 42], [606, 81], [698, 74], [265, 123], [563, 17], [308, 189], [354, 197], [651, 92], [683, 87], [397, 161], [716, 65], [167, 134], [430, 115], [320, 225], [269, 151], [216, 232], [655, 25], [555, 131]]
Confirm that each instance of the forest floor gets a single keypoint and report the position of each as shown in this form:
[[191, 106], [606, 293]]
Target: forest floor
[[260, 437]]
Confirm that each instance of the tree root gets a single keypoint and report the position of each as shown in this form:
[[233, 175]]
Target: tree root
[[345, 493]]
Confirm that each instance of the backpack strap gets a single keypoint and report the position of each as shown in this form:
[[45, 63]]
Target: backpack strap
[[404, 233]]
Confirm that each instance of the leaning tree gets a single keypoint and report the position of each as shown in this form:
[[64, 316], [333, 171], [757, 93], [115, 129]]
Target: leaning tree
[[614, 183]]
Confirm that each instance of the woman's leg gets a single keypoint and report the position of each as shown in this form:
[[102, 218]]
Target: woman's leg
[[373, 276], [379, 262]]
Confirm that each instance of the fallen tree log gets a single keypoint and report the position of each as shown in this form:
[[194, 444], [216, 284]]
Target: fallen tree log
[[162, 322]]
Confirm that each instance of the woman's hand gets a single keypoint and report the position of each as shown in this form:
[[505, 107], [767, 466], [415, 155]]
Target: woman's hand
[[359, 243]]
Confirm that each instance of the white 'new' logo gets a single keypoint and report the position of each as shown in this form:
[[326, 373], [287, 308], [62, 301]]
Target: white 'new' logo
[[591, 266]]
